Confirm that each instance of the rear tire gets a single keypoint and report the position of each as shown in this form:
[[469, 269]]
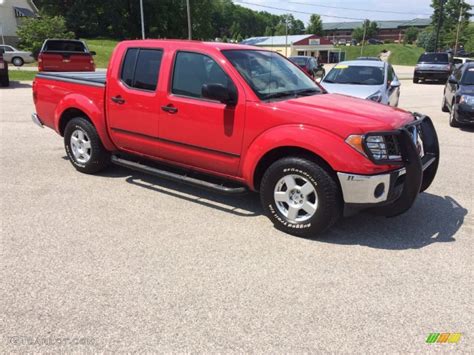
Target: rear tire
[[5, 81], [84, 147], [300, 197]]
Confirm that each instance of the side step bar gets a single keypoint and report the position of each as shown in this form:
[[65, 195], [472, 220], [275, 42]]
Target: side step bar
[[177, 177]]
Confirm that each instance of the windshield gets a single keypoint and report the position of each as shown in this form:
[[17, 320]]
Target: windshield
[[356, 75], [270, 75], [298, 61], [468, 77], [441, 58]]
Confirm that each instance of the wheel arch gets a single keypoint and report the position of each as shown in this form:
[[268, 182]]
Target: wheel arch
[[286, 151], [76, 105]]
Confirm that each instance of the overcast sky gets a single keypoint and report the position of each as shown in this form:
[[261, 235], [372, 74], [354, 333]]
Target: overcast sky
[[407, 9]]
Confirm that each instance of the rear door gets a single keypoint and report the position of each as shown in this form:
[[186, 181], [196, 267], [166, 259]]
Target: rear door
[[64, 55], [132, 101]]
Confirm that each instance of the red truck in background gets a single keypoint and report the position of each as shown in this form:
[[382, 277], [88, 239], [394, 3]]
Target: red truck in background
[[65, 55], [235, 117]]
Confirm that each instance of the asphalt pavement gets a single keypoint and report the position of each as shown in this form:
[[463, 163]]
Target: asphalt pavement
[[126, 262]]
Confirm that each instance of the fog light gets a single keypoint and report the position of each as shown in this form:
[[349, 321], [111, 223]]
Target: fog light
[[379, 190]]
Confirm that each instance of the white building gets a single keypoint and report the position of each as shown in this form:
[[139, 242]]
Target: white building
[[12, 12]]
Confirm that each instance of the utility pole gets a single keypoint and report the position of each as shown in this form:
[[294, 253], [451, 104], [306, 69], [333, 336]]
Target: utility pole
[[190, 33], [286, 37], [363, 37], [143, 20], [1, 30], [440, 19], [457, 32]]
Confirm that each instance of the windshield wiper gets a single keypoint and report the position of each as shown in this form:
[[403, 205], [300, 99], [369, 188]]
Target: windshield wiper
[[277, 95], [307, 92]]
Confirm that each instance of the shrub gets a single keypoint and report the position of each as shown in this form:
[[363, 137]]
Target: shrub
[[34, 31]]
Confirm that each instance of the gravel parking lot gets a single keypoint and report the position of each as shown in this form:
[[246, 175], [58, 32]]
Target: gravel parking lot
[[127, 262]]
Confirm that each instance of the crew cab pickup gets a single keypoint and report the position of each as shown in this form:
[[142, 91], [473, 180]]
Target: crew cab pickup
[[62, 55], [232, 118]]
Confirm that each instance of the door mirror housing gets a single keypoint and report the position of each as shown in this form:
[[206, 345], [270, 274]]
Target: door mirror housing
[[452, 80], [93, 52], [395, 83], [220, 93]]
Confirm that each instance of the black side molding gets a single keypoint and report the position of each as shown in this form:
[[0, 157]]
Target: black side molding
[[177, 177]]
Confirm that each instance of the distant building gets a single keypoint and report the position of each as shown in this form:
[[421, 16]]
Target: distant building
[[310, 45], [12, 12], [388, 30]]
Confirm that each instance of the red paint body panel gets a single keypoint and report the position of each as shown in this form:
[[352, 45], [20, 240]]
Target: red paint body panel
[[208, 136], [64, 63]]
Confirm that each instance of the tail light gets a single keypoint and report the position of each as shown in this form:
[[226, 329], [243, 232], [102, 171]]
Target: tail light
[[40, 63]]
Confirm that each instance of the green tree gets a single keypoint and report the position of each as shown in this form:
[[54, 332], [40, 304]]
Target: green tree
[[33, 31], [315, 25], [411, 34], [426, 39], [370, 28], [449, 19]]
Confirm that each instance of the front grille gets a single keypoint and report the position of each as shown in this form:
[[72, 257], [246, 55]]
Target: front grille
[[393, 147]]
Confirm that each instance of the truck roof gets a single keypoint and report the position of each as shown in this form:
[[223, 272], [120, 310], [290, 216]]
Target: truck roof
[[191, 43]]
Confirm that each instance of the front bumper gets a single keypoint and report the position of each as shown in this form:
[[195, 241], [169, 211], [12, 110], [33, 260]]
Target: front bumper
[[37, 120], [395, 192], [464, 113]]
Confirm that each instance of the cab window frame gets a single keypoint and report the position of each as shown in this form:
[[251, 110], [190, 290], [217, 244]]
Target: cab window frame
[[172, 76], [121, 68]]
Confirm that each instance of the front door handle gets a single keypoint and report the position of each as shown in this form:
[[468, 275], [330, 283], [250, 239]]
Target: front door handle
[[118, 100], [169, 108]]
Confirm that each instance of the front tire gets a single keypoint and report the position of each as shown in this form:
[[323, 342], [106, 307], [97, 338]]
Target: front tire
[[300, 197], [452, 117], [84, 147], [18, 62], [444, 106]]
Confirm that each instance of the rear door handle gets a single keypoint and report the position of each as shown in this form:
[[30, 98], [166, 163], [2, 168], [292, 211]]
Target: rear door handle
[[118, 100], [169, 108]]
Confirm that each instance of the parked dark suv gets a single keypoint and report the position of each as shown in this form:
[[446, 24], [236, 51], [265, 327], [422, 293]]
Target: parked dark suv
[[4, 79], [433, 66]]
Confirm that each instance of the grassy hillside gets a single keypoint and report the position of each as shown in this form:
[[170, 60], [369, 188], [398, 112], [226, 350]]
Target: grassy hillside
[[401, 55], [104, 48]]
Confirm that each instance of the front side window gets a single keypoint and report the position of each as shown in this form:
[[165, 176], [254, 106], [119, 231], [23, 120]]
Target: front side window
[[356, 75], [270, 75], [141, 68], [193, 70], [468, 77]]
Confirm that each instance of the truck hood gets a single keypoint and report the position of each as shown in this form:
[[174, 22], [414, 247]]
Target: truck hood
[[342, 115], [361, 91]]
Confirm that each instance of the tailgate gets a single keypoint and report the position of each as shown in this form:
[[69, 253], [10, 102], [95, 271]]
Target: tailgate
[[67, 61]]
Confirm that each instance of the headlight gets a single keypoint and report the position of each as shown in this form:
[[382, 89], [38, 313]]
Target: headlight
[[467, 99], [379, 147], [377, 97]]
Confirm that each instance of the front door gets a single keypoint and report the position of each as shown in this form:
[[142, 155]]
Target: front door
[[132, 102], [196, 131]]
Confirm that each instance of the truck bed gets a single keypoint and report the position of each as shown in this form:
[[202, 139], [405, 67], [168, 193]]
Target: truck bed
[[84, 78]]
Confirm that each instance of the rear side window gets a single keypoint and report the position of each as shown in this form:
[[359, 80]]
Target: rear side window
[[141, 68], [193, 70], [441, 58], [65, 46]]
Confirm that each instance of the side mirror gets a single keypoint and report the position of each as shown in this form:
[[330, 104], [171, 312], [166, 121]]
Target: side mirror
[[93, 52], [219, 93], [395, 83], [452, 80]]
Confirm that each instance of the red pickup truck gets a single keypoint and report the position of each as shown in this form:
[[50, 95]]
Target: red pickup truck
[[230, 118], [61, 55]]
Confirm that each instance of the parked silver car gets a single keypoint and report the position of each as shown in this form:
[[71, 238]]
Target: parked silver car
[[366, 79], [15, 56]]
